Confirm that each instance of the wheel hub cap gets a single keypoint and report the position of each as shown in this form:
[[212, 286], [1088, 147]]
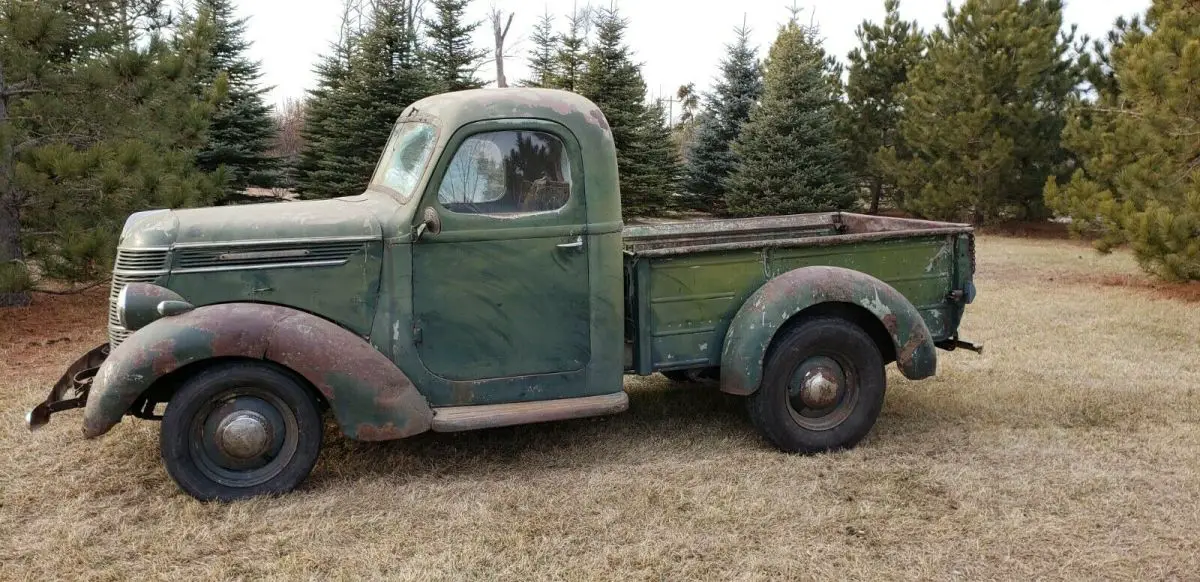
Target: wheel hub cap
[[819, 383], [819, 389], [244, 434]]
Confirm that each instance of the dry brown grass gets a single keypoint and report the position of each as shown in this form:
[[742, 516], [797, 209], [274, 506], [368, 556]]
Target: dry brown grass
[[1069, 450]]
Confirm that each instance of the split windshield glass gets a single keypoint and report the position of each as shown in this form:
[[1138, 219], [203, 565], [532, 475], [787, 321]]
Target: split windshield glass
[[404, 159]]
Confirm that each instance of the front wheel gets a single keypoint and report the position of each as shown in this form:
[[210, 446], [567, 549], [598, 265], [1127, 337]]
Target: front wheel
[[239, 430], [822, 389]]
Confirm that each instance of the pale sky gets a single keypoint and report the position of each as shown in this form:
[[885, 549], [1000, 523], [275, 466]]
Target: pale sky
[[677, 41]]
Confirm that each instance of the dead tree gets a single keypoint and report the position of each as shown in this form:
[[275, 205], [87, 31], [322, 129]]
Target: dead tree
[[500, 33]]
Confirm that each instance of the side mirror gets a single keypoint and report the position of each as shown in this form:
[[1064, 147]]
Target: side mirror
[[430, 221]]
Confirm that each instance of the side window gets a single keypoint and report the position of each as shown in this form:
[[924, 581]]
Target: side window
[[507, 172]]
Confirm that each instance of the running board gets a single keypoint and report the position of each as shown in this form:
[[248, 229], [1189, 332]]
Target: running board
[[460, 418]]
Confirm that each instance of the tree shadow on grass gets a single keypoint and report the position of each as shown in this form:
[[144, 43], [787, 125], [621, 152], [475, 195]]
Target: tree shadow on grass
[[679, 422], [688, 418]]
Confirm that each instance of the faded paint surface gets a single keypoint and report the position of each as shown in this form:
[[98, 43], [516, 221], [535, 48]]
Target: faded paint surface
[[488, 309], [370, 397], [772, 305], [687, 281]]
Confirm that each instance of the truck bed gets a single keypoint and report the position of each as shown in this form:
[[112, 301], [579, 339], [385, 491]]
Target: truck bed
[[684, 281]]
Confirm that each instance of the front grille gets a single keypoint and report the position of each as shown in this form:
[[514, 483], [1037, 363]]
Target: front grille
[[140, 260], [132, 266]]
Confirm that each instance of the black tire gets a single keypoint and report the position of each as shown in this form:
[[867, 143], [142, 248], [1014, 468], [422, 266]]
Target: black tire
[[796, 409], [271, 425]]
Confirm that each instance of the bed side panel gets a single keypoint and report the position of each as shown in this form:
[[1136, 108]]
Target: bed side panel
[[693, 297], [922, 268]]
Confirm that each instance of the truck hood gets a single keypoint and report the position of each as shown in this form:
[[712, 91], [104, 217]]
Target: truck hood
[[340, 217]]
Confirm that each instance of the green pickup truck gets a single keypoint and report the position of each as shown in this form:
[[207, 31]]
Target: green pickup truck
[[484, 279]]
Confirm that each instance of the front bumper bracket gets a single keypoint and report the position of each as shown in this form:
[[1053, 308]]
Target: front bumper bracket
[[71, 391]]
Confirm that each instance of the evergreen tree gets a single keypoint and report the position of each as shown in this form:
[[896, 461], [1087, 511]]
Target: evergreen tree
[[792, 159], [97, 120], [1137, 144], [321, 115], [320, 121], [711, 160], [571, 59], [614, 83], [878, 70], [360, 102], [241, 130], [983, 113], [543, 67], [450, 56], [662, 160]]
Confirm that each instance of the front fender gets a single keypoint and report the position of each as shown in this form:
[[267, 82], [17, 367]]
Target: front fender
[[772, 305], [370, 397]]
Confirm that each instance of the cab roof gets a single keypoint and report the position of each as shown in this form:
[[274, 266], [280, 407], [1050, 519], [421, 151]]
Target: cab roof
[[453, 110]]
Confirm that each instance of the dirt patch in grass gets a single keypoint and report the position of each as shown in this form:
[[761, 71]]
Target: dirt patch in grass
[[1070, 449], [1036, 229], [1189, 291], [50, 320]]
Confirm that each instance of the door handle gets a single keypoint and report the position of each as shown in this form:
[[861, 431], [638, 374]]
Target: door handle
[[575, 244]]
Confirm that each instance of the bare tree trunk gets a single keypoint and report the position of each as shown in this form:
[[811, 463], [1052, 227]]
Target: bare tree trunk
[[10, 219], [10, 230], [500, 33], [876, 194]]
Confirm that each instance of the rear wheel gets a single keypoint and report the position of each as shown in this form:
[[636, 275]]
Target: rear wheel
[[822, 388], [239, 430]]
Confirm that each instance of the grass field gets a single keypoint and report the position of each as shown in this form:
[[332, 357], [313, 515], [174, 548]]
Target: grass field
[[1070, 449]]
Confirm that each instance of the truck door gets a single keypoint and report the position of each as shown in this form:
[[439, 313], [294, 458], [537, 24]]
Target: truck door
[[500, 284]]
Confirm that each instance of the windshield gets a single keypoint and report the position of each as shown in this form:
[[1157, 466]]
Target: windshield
[[404, 158]]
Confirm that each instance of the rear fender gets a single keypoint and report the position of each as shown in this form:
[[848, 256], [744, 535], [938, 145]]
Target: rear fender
[[776, 302], [370, 397]]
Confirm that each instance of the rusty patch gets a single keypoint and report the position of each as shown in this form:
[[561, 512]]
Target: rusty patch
[[162, 356], [753, 328], [386, 432], [596, 117], [462, 392], [890, 324], [801, 230], [904, 358], [363, 387]]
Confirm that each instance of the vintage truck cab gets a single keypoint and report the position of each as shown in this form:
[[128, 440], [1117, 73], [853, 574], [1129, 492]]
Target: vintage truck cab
[[485, 278]]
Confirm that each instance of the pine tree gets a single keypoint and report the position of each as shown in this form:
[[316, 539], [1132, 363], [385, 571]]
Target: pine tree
[[451, 58], [543, 67], [661, 156], [241, 130], [571, 60], [792, 159], [983, 113], [98, 119], [1138, 145], [320, 109], [878, 69], [614, 83], [350, 120], [320, 121], [711, 160]]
